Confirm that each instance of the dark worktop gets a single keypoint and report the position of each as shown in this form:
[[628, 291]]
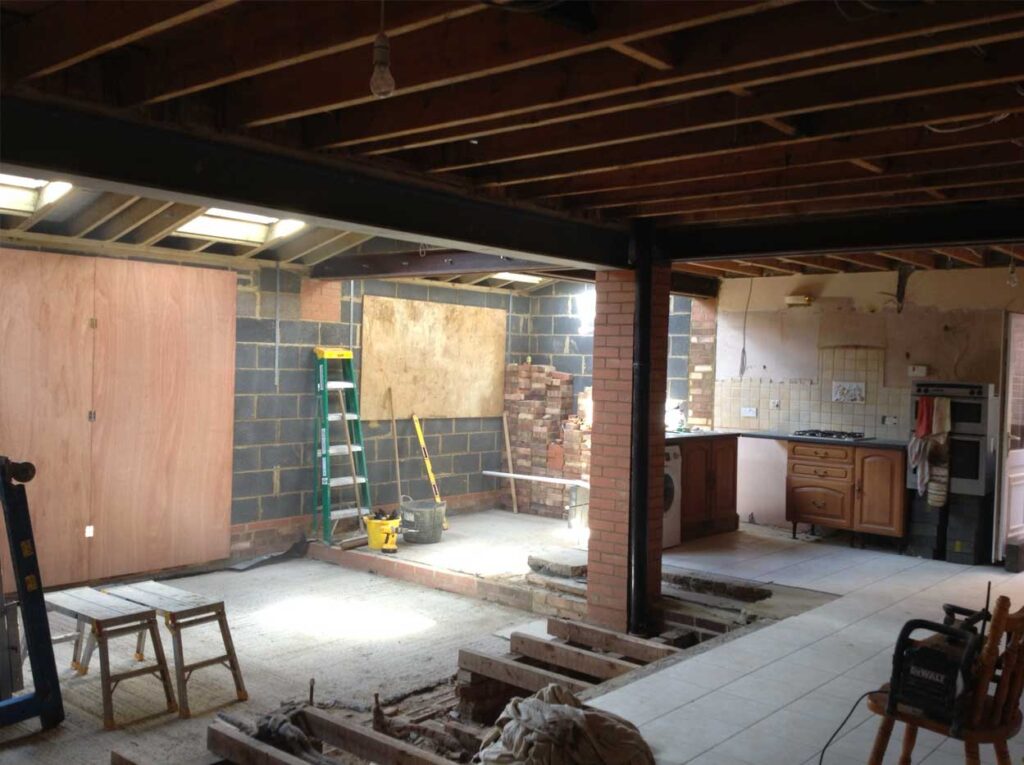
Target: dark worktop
[[875, 443], [872, 443]]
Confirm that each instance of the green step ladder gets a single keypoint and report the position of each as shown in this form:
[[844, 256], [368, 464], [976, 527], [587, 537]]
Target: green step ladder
[[342, 488]]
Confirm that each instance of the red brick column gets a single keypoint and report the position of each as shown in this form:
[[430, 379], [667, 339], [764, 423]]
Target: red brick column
[[607, 578], [703, 320]]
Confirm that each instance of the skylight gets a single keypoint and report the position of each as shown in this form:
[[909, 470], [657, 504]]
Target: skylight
[[24, 196], [514, 277], [233, 226]]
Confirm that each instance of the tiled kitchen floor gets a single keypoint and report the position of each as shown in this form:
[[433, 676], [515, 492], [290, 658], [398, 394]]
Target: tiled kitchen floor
[[767, 554], [773, 697]]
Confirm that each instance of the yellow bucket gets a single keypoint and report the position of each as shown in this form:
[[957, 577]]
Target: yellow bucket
[[382, 534]]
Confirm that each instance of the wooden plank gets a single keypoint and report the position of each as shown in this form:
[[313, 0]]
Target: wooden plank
[[440, 360], [99, 212], [75, 32], [609, 640], [93, 604], [240, 749], [277, 35], [966, 255], [866, 259], [905, 141], [365, 742], [569, 657], [489, 43], [768, 47], [919, 258], [46, 345], [514, 673], [164, 382], [344, 243], [134, 215], [161, 597], [930, 76], [163, 223], [833, 123], [819, 176]]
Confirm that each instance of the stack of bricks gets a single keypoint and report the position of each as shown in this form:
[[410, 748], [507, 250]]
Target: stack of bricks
[[539, 401]]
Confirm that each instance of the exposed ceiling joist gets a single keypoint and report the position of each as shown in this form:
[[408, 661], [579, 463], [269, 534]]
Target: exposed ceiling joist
[[128, 157], [72, 36], [162, 224], [278, 35], [937, 226], [46, 208], [341, 245], [96, 214], [773, 41], [818, 262], [898, 141], [969, 256], [869, 260], [489, 43], [130, 217], [929, 77]]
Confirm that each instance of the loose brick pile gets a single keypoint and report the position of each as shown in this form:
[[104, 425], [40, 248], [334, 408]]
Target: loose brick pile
[[547, 435]]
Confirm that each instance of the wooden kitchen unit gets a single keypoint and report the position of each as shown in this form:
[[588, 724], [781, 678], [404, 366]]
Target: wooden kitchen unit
[[846, 486], [708, 500]]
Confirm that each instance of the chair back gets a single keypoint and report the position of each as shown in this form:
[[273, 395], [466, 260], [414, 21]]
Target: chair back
[[1001, 663]]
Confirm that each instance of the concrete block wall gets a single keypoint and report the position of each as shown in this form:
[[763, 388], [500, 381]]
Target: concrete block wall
[[272, 491], [561, 330]]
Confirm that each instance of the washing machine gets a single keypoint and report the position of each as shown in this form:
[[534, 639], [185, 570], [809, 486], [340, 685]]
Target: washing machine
[[671, 529]]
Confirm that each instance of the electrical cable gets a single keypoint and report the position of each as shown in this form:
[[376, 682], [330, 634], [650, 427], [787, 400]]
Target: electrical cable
[[969, 126], [746, 311], [821, 757]]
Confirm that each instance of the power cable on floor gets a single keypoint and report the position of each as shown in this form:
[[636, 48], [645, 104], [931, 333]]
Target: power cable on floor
[[821, 757]]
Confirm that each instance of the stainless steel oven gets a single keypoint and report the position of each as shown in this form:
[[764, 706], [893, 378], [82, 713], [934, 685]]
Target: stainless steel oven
[[974, 428], [971, 405]]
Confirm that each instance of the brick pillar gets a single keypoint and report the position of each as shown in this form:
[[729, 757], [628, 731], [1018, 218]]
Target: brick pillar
[[703, 320], [607, 579]]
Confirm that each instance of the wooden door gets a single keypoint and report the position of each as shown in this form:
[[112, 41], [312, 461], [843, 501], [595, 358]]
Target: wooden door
[[164, 401], [880, 502], [46, 363], [696, 471], [820, 502], [723, 458]]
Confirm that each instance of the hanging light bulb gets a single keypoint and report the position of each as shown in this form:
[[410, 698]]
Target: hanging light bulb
[[382, 83], [1012, 280]]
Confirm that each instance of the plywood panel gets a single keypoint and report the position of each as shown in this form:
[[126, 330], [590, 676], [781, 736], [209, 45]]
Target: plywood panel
[[440, 360], [164, 389], [46, 349]]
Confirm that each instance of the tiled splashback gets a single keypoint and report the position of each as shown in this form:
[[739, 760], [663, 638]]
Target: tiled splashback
[[808, 403]]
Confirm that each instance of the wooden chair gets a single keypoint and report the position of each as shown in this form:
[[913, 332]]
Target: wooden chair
[[995, 716]]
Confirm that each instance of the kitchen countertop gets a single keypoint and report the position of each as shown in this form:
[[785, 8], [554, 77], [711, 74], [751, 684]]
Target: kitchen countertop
[[876, 443]]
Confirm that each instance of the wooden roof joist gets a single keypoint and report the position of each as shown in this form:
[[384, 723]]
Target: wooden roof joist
[[489, 43], [930, 76], [898, 141], [972, 104], [772, 45]]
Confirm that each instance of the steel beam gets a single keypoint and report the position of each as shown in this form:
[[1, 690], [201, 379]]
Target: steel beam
[[116, 154], [937, 226], [413, 264]]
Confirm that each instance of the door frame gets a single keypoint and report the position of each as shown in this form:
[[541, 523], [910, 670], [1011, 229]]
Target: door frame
[[1000, 518]]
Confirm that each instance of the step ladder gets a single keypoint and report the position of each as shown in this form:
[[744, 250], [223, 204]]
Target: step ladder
[[342, 489]]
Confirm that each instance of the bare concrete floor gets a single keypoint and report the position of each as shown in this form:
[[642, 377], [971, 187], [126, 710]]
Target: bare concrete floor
[[492, 543], [355, 633]]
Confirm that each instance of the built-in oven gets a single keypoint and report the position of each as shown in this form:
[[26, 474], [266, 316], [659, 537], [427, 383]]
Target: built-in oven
[[971, 405], [974, 426]]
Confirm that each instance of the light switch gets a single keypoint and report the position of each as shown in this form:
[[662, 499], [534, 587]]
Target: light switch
[[917, 370], [748, 411], [89, 532]]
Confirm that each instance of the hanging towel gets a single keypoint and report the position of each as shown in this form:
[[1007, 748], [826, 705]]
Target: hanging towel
[[917, 456], [925, 416], [940, 419]]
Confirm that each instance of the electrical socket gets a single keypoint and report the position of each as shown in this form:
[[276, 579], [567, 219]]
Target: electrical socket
[[748, 411], [90, 532], [775, 404], [890, 419]]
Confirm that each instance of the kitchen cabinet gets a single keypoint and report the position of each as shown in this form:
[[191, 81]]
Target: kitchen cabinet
[[708, 490], [844, 486]]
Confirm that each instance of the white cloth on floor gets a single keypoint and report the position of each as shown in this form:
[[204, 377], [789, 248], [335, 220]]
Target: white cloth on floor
[[552, 727]]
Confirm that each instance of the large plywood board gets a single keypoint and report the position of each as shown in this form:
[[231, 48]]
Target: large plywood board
[[164, 401], [439, 360], [46, 348]]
